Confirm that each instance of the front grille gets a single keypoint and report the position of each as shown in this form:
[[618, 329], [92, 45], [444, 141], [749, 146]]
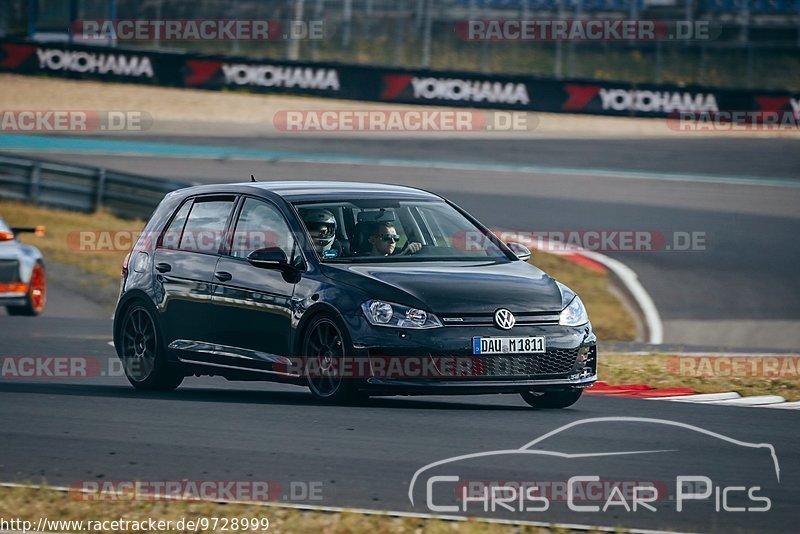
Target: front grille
[[523, 319], [9, 271], [553, 362]]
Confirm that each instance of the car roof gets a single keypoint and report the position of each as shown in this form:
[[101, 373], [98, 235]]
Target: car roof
[[294, 191]]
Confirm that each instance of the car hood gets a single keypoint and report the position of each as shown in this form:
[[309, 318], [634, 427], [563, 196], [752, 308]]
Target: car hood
[[454, 287]]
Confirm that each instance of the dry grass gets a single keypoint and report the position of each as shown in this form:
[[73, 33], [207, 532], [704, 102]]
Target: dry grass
[[663, 371], [61, 244], [32, 504]]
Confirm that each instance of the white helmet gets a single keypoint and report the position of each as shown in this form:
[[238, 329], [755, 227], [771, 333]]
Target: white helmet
[[321, 225]]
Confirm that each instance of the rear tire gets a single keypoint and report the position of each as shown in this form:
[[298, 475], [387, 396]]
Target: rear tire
[[36, 297], [325, 347], [552, 399], [142, 352]]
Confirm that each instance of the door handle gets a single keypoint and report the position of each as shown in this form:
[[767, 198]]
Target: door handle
[[163, 267], [222, 276]]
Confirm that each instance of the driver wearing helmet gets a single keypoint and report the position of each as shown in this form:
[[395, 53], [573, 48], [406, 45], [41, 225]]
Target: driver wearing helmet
[[321, 226]]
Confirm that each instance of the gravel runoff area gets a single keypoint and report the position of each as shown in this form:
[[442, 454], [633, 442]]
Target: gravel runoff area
[[197, 112]]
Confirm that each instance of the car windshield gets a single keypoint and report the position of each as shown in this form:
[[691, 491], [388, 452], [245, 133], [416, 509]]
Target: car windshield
[[395, 231]]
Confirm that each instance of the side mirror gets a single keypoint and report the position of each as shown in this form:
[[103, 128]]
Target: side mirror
[[519, 250], [270, 258]]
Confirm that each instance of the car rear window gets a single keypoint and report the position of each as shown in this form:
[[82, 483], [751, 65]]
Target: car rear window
[[205, 226], [172, 235]]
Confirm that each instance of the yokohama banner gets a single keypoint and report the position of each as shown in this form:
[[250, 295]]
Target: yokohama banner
[[381, 84]]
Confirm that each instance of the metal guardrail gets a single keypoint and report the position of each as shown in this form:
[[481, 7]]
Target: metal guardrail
[[82, 188]]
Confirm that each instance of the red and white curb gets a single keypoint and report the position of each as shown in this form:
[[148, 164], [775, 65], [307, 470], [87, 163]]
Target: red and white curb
[[602, 263], [729, 398]]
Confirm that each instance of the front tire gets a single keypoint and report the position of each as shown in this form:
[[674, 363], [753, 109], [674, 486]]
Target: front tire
[[142, 352], [36, 297], [325, 350], [552, 399]]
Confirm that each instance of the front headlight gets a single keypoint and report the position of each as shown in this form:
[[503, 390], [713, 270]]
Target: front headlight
[[574, 314], [381, 313]]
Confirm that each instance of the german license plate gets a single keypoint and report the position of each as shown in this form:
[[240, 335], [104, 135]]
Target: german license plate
[[508, 345]]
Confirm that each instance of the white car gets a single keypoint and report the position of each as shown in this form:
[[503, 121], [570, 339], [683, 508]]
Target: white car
[[23, 285]]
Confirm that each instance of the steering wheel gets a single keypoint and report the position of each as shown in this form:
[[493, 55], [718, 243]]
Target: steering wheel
[[406, 248]]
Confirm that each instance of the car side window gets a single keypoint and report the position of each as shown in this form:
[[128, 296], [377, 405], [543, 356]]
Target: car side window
[[172, 235], [205, 226], [261, 225]]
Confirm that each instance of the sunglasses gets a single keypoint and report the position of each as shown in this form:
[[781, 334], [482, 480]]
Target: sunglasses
[[390, 238]]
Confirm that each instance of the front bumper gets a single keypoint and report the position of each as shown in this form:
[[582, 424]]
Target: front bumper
[[560, 368], [474, 387]]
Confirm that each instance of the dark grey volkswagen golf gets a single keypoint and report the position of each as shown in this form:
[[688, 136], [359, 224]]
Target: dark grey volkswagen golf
[[352, 289]]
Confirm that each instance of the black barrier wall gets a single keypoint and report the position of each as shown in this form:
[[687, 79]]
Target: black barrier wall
[[383, 84]]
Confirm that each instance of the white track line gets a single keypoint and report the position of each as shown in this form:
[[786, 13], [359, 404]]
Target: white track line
[[628, 277], [651, 316], [387, 513], [732, 398], [751, 401], [701, 397]]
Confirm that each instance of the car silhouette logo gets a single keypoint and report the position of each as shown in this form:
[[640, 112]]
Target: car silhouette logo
[[504, 319], [534, 449]]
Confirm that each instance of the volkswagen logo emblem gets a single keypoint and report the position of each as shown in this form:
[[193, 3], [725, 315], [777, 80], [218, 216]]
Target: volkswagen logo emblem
[[504, 319]]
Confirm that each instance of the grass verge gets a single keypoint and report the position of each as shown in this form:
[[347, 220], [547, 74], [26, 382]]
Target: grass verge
[[663, 371], [32, 504], [61, 244]]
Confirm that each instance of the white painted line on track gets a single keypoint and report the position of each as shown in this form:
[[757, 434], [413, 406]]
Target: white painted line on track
[[751, 401], [700, 397], [643, 299], [627, 276], [387, 513]]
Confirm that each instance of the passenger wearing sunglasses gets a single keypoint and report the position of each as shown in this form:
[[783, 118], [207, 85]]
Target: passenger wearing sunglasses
[[384, 240]]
